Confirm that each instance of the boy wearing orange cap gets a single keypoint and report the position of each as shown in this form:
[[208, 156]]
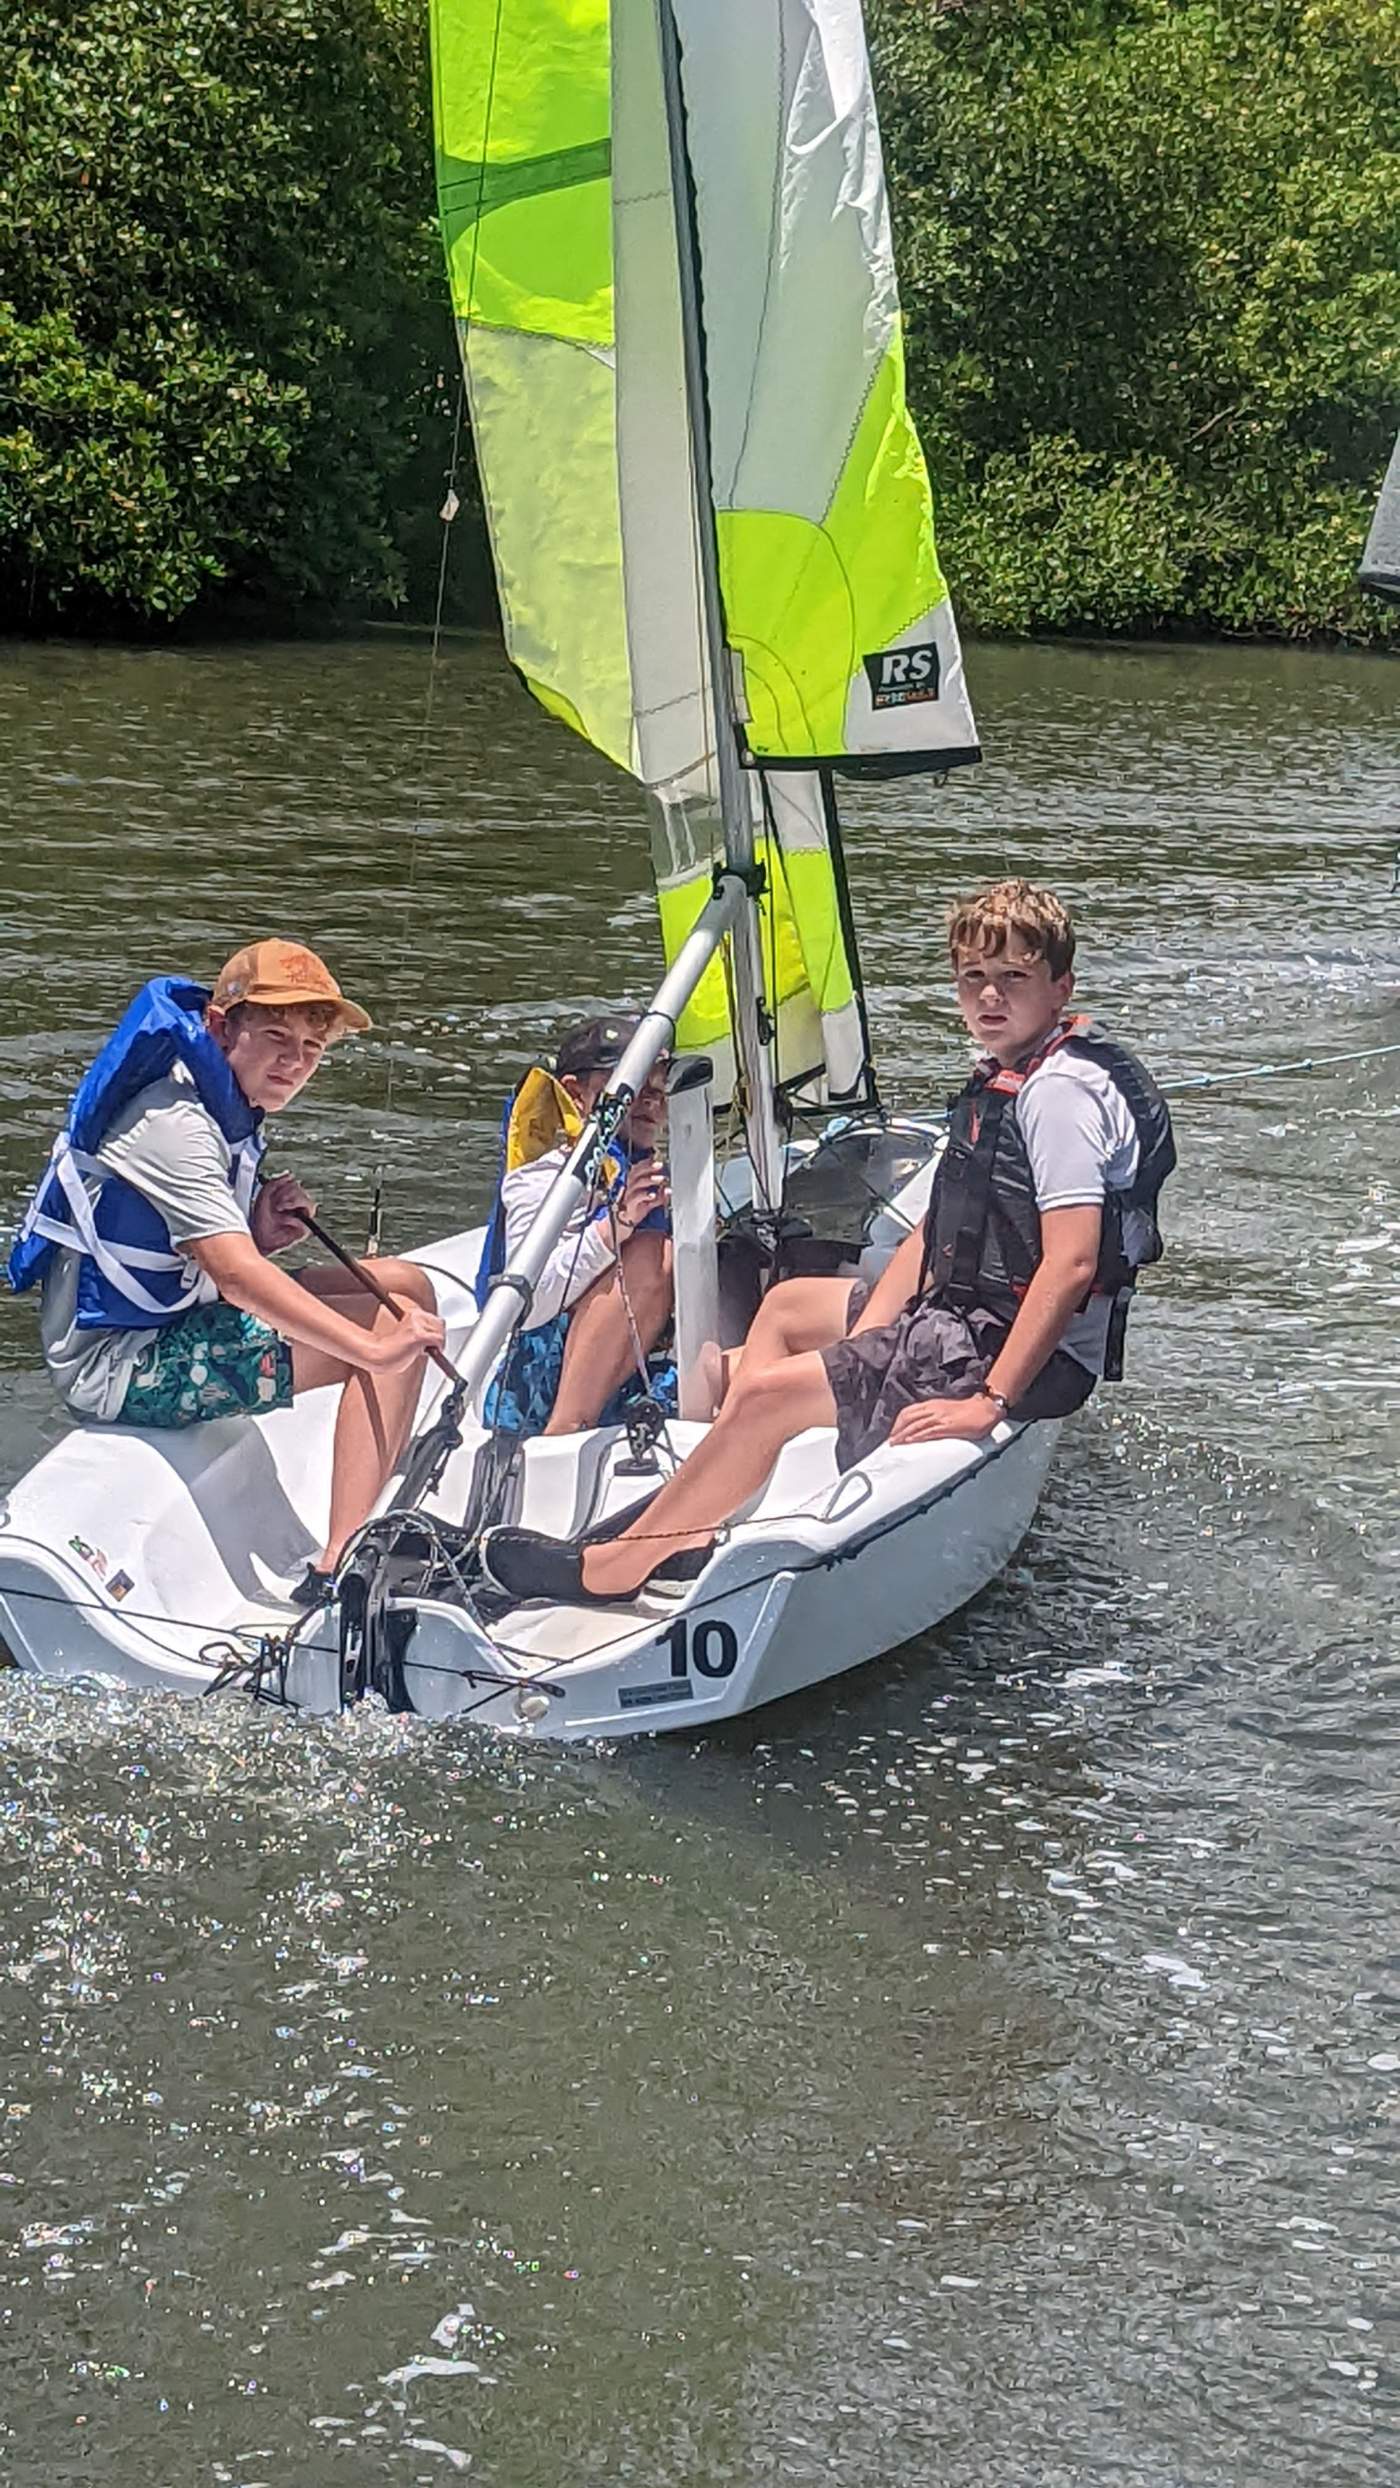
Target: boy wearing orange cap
[[153, 1235]]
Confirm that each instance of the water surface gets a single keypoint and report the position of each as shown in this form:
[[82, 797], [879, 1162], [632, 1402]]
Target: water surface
[[984, 2071]]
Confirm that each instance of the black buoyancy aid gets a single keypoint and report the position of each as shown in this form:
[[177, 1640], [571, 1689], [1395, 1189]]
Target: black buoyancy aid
[[982, 1230]]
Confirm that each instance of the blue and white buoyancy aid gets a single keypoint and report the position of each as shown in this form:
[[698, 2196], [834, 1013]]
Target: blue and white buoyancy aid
[[130, 1276]]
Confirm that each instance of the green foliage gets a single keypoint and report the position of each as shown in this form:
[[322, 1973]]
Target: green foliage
[[222, 309], [1150, 252], [1151, 272]]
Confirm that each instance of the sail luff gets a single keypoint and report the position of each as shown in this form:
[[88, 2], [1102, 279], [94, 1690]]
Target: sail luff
[[735, 797], [1380, 563], [835, 600]]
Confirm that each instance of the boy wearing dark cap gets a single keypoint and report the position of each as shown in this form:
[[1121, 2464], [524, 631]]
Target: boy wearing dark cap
[[606, 1290]]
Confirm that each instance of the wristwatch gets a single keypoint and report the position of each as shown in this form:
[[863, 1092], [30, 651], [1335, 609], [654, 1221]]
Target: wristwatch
[[996, 1399]]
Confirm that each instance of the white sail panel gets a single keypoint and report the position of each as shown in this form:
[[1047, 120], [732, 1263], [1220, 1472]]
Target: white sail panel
[[833, 594], [554, 523]]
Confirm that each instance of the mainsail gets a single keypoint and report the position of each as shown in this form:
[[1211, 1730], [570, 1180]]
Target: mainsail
[[554, 170]]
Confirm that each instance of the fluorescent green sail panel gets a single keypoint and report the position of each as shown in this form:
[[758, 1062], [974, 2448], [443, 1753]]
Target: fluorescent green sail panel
[[521, 97], [805, 601], [522, 102], [833, 594]]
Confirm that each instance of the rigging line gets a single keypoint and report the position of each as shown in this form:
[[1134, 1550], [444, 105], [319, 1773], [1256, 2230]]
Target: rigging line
[[784, 1164], [846, 917], [1276, 1071], [598, 1195], [233, 1632], [122, 1614], [545, 1681], [448, 513], [736, 1131], [827, 1142], [639, 1356], [638, 1352], [508, 1650], [450, 507], [718, 715], [942, 1493], [775, 848], [426, 1525]]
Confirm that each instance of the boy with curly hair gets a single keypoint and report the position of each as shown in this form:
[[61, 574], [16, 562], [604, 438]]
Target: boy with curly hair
[[1008, 1303]]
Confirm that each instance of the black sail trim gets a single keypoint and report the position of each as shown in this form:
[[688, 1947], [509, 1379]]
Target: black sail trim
[[866, 764]]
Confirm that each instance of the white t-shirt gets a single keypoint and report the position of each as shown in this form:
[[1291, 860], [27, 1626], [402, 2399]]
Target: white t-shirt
[[1082, 1144], [168, 1146], [584, 1250]]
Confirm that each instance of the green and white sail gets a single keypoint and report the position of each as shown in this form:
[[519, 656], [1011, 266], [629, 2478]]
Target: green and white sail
[[556, 198]]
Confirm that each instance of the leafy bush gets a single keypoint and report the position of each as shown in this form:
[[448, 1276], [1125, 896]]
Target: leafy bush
[[1151, 269], [222, 309], [1150, 252]]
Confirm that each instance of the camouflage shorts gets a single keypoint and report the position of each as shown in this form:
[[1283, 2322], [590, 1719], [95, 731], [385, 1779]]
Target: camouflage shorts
[[930, 1352], [215, 1362]]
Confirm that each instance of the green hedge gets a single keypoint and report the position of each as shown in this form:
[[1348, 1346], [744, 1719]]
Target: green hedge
[[1150, 253], [1151, 267], [221, 302]]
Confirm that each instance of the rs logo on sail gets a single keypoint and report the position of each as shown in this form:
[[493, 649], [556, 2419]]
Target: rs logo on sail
[[899, 676]]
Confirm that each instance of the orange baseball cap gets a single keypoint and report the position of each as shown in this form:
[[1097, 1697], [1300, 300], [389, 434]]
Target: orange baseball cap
[[280, 974]]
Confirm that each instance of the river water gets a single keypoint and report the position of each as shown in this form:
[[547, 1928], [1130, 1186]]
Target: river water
[[986, 2071]]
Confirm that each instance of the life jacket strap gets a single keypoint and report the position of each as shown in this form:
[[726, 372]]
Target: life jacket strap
[[957, 1285], [1117, 1329], [1009, 1080], [118, 1263]]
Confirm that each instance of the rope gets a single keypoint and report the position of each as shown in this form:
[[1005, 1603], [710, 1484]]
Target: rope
[[1276, 1071], [233, 1650], [450, 507], [775, 851], [812, 1563], [216, 1634], [547, 1682], [601, 1196], [449, 510], [639, 1354]]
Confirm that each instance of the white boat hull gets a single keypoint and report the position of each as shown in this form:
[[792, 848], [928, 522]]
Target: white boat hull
[[157, 1559], [787, 1602]]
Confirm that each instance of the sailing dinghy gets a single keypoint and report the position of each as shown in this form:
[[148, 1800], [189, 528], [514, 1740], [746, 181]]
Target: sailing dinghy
[[669, 248]]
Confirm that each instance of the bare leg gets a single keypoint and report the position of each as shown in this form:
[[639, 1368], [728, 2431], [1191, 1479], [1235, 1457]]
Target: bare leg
[[794, 1316], [375, 1410], [599, 1353], [764, 1410]]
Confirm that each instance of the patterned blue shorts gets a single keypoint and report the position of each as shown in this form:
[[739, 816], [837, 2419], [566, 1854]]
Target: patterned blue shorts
[[520, 1399], [214, 1362]]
